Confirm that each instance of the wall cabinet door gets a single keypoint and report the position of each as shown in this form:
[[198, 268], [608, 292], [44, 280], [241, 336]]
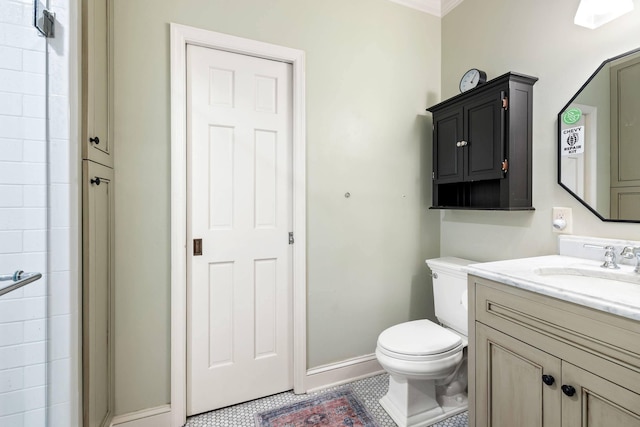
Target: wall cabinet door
[[597, 402], [509, 382], [448, 165], [469, 141], [484, 137], [97, 294], [97, 144]]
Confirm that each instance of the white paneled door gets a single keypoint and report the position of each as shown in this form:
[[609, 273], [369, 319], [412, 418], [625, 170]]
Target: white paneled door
[[239, 325]]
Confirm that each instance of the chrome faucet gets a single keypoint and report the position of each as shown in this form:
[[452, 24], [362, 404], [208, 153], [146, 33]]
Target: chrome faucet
[[630, 252], [609, 255]]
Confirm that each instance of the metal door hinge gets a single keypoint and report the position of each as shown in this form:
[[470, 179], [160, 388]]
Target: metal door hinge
[[505, 102], [291, 238], [43, 20], [433, 175], [505, 166]]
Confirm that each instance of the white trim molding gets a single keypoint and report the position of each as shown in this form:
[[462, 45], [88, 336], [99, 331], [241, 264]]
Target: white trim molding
[[343, 372], [181, 36], [437, 8], [154, 417]]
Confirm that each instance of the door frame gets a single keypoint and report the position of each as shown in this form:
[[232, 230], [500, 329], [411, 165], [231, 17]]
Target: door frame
[[181, 36]]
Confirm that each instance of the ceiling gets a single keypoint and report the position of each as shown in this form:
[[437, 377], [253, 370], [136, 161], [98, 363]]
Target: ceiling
[[438, 8]]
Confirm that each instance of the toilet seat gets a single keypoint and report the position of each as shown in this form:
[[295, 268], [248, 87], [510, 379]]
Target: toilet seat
[[419, 340]]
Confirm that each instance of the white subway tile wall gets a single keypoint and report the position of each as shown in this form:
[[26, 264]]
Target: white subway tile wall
[[36, 227]]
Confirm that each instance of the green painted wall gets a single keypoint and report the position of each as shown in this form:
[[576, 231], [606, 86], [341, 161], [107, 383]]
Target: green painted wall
[[536, 38], [372, 68]]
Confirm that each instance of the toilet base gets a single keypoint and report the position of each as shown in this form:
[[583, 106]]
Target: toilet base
[[414, 403]]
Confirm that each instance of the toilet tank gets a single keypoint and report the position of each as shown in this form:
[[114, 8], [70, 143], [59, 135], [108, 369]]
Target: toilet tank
[[450, 292]]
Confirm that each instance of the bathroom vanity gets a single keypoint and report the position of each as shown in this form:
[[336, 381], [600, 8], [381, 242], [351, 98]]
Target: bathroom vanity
[[555, 341]]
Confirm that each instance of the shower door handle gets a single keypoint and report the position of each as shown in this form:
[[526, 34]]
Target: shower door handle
[[18, 280]]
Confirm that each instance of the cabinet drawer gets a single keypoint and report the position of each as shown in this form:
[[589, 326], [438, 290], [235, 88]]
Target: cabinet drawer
[[566, 327]]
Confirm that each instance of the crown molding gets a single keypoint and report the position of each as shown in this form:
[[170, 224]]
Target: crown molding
[[437, 8], [449, 5]]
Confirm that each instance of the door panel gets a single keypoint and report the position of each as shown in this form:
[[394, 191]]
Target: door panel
[[597, 402], [96, 84], [240, 194], [448, 132], [509, 386], [97, 293], [485, 139]]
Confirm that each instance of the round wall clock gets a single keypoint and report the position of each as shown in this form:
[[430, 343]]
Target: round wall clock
[[471, 79]]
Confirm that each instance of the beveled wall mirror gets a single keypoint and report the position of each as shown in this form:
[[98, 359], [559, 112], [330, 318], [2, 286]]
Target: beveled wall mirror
[[599, 141]]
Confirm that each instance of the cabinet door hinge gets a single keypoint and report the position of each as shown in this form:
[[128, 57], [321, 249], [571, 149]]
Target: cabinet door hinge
[[433, 175], [291, 238], [505, 102], [505, 166]]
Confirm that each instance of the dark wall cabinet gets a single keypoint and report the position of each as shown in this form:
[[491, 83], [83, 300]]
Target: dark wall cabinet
[[482, 146]]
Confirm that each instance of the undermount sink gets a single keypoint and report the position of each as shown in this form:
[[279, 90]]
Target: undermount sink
[[574, 275], [588, 275]]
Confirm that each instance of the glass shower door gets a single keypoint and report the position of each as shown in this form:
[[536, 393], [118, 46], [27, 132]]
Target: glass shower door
[[24, 317], [37, 354]]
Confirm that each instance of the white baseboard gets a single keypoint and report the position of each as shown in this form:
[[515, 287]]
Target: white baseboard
[[342, 372], [317, 378], [153, 417]]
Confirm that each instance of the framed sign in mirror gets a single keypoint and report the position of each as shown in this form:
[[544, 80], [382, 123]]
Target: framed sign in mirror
[[599, 141]]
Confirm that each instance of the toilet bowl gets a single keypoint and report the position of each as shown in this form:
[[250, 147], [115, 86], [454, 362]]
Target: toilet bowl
[[426, 362]]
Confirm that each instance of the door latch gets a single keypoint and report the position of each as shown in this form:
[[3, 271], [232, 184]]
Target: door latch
[[197, 247]]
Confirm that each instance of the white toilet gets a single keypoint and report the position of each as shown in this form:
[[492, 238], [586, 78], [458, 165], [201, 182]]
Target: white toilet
[[426, 362]]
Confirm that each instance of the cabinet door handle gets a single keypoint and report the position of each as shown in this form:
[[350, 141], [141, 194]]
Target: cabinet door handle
[[458, 144], [568, 390], [95, 181], [548, 379], [95, 140], [463, 143]]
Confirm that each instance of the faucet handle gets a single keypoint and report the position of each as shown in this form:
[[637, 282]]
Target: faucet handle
[[629, 252], [609, 255]]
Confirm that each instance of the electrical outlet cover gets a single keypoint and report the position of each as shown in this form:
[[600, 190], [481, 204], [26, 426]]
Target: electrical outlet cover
[[562, 221]]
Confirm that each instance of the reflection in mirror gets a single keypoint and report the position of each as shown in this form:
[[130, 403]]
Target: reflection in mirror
[[599, 141]]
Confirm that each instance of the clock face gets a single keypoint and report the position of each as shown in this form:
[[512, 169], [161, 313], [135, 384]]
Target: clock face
[[471, 79]]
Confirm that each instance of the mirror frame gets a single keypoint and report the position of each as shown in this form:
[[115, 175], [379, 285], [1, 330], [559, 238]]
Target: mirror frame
[[559, 137]]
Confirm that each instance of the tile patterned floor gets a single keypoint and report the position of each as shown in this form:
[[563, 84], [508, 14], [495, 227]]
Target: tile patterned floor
[[368, 390]]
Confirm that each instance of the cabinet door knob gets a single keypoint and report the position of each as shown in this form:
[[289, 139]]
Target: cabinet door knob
[[458, 144], [95, 181], [95, 140], [568, 390], [548, 379], [463, 143]]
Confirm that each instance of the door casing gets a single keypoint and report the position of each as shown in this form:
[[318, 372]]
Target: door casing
[[181, 36]]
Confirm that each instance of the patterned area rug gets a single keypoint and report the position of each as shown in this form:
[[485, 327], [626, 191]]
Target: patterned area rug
[[339, 408]]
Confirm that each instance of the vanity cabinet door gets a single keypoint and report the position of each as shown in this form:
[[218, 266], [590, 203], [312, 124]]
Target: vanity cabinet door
[[509, 382], [597, 402]]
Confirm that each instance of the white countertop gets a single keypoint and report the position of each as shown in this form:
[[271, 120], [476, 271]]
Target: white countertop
[[577, 280]]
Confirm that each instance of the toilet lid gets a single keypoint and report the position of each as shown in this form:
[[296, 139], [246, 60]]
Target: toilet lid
[[418, 338]]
